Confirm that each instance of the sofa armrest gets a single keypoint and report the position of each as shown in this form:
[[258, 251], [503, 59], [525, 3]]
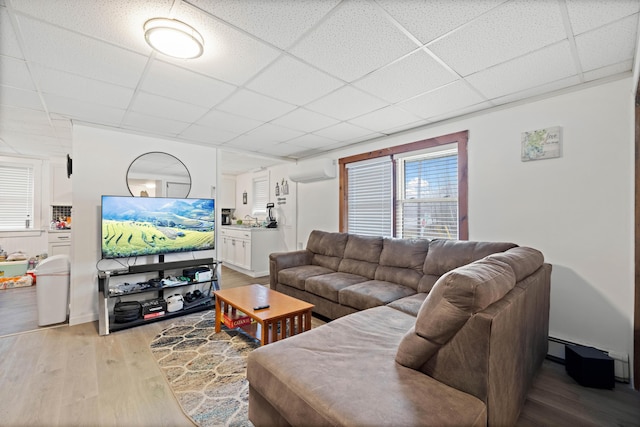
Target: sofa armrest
[[281, 260]]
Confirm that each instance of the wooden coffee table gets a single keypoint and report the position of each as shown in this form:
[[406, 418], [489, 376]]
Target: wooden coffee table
[[285, 316]]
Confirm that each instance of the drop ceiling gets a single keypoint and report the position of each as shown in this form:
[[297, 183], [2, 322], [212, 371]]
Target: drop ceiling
[[282, 80]]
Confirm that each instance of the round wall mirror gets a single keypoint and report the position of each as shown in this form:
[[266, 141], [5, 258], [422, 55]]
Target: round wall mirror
[[158, 174]]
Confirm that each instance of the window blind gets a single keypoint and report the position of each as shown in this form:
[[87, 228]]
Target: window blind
[[370, 197], [16, 197], [260, 195], [428, 198]]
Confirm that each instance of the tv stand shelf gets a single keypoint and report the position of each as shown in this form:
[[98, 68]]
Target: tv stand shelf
[[106, 322]]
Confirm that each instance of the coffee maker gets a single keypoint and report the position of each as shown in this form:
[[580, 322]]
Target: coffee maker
[[226, 216], [271, 220]]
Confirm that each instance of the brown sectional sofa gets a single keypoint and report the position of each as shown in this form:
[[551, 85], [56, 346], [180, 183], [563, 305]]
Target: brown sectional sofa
[[426, 333]]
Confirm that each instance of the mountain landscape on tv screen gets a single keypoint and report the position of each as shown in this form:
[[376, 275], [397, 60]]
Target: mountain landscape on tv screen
[[135, 226]]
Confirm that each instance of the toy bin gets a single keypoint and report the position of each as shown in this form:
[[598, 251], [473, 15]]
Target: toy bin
[[13, 268]]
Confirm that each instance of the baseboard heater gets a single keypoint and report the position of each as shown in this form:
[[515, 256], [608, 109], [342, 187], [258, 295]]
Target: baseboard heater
[[621, 362]]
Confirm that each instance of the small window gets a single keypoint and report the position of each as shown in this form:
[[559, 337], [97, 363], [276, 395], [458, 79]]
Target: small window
[[260, 195], [18, 195]]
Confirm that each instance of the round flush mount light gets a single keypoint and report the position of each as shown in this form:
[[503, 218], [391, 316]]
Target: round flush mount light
[[174, 38]]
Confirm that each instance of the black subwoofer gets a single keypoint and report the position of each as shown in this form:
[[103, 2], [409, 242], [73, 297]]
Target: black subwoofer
[[589, 366]]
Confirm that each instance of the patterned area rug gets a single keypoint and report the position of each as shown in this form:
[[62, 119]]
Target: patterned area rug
[[206, 371]]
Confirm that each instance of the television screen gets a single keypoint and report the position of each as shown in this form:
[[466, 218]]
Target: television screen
[[136, 226]]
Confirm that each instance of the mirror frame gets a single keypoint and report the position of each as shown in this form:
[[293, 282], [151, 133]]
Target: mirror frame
[[170, 160]]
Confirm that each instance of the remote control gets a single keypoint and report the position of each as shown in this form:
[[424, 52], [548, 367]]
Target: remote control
[[261, 307]]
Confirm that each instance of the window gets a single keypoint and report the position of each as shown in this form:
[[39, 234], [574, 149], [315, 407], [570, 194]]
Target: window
[[416, 190], [260, 195], [427, 204], [370, 197], [18, 181]]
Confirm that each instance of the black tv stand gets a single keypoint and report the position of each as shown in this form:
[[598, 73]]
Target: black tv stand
[[106, 320]]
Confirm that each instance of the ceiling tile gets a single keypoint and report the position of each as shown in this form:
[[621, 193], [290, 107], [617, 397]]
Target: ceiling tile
[[8, 41], [20, 98], [525, 72], [271, 132], [403, 79], [343, 132], [448, 98], [282, 149], [153, 125], [304, 120], [229, 54], [207, 134], [228, 122], [384, 119], [608, 45], [15, 73], [280, 23], [427, 20], [178, 83], [159, 106], [610, 70], [467, 109], [70, 52], [117, 21], [251, 104], [81, 88], [288, 79], [12, 113], [346, 103], [538, 90], [356, 39], [506, 32], [311, 141], [250, 142], [84, 111], [588, 15]]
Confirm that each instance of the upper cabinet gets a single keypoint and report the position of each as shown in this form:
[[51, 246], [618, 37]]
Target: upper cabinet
[[227, 192], [60, 185]]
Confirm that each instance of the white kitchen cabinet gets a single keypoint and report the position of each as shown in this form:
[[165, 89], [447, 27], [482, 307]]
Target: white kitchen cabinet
[[247, 249], [227, 193], [60, 185], [59, 243]]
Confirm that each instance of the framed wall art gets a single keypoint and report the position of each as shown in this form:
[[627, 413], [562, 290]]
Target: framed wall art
[[541, 144]]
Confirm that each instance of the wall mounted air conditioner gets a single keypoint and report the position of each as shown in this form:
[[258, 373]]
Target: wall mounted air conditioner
[[312, 170]]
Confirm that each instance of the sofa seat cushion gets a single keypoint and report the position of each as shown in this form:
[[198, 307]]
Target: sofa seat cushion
[[296, 276], [343, 374], [372, 293], [410, 305], [328, 285]]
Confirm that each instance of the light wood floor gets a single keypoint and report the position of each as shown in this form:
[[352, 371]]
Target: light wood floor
[[71, 376]]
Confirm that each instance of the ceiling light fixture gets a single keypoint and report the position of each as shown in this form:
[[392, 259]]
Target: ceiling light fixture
[[174, 38]]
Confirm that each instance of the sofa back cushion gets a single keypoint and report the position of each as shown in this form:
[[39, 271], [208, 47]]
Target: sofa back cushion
[[456, 296], [446, 255], [361, 255], [522, 260], [402, 260], [327, 248]]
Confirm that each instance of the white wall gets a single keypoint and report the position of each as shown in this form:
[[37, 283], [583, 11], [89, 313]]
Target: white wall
[[100, 161], [577, 209]]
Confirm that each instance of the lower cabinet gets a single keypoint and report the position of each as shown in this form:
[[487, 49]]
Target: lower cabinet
[[247, 249], [59, 243], [161, 290]]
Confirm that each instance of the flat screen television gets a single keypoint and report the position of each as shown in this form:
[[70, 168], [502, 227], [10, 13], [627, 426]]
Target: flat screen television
[[137, 226]]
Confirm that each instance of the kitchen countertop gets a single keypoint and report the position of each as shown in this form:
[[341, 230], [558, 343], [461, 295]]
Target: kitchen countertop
[[246, 227]]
